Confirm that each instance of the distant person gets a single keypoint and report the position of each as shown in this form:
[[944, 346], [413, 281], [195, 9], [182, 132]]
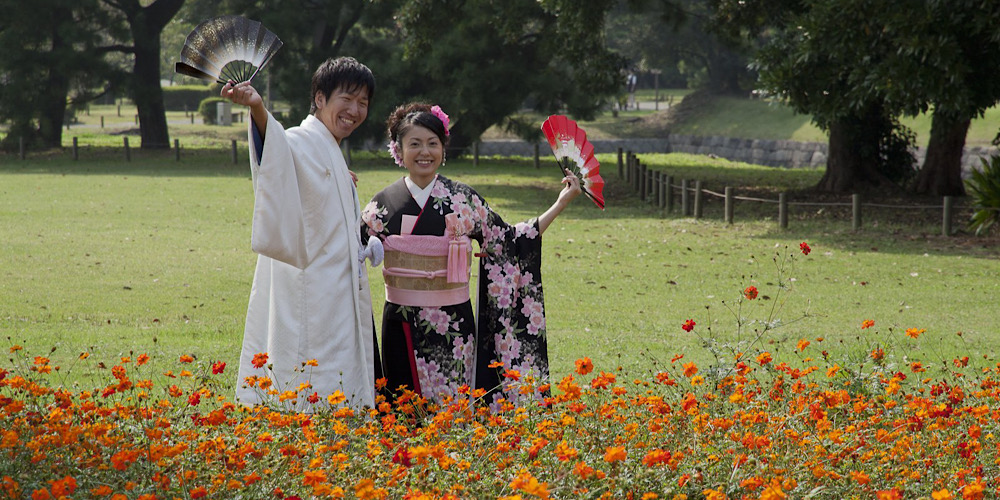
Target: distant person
[[310, 298], [631, 81], [431, 342]]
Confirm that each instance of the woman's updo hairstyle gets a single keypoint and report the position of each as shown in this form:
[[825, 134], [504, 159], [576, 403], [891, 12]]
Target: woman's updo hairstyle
[[403, 118]]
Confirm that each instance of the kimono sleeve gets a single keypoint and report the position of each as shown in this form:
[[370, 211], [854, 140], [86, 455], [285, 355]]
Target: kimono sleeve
[[511, 322], [278, 229]]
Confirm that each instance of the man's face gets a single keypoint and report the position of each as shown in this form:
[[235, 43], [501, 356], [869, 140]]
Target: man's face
[[343, 111]]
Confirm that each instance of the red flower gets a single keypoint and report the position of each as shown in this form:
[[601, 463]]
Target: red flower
[[750, 293], [584, 366], [805, 248], [194, 399], [218, 367], [688, 325], [259, 359], [402, 457]]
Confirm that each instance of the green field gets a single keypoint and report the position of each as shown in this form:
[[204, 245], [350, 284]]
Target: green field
[[109, 257]]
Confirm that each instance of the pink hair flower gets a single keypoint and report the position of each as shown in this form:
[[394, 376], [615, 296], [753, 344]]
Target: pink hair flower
[[438, 112]]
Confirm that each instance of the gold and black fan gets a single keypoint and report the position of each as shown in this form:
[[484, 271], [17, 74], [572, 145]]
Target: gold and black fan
[[227, 48]]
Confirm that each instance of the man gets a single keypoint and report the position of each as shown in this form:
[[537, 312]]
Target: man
[[310, 298]]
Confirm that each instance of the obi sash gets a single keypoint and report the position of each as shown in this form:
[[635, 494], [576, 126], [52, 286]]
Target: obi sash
[[425, 270]]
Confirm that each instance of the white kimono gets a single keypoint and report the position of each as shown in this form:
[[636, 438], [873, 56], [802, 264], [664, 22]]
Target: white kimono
[[310, 298]]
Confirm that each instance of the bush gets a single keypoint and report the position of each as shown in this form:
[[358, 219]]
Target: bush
[[207, 109], [186, 97], [985, 188]]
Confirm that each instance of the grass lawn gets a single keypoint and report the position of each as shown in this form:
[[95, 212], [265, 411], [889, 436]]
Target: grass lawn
[[153, 256]]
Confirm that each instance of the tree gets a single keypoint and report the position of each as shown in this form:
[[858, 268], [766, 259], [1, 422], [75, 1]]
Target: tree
[[496, 57], [836, 58], [51, 49], [679, 35], [145, 25], [947, 60], [817, 56]]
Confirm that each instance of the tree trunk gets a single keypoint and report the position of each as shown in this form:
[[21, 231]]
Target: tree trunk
[[941, 174], [854, 151], [52, 115], [147, 24]]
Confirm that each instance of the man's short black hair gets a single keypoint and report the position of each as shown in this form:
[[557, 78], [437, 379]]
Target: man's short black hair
[[344, 73]]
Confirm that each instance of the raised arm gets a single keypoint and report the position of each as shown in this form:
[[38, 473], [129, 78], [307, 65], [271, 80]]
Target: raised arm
[[244, 94], [570, 190]]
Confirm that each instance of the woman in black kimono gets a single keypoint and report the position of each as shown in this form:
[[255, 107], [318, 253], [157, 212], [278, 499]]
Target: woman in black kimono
[[430, 340]]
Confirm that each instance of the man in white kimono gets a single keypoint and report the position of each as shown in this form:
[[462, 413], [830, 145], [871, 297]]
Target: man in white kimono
[[310, 306]]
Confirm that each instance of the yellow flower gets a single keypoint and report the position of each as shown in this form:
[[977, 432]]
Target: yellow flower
[[614, 454]]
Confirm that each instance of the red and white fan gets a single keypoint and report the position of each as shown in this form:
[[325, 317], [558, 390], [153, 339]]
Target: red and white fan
[[575, 154]]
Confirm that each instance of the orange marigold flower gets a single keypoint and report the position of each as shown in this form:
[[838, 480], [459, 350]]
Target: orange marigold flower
[[259, 360], [974, 491], [512, 374], [199, 492], [42, 494], [892, 494], [942, 495], [496, 364], [690, 369], [656, 457], [832, 371], [914, 333], [313, 477], [750, 292], [868, 323], [614, 454], [877, 354], [961, 362], [15, 348], [336, 398], [764, 358], [860, 477], [84, 355], [64, 486], [711, 494], [142, 359], [697, 380], [186, 358], [101, 491], [802, 344], [917, 367], [530, 485], [688, 325], [584, 366], [773, 491]]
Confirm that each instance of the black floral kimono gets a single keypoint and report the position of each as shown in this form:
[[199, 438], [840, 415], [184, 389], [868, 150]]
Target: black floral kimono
[[436, 350]]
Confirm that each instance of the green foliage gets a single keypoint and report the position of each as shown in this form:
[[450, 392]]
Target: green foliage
[[186, 97], [208, 109], [985, 188], [496, 57]]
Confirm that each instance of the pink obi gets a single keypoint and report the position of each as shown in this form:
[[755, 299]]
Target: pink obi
[[423, 270]]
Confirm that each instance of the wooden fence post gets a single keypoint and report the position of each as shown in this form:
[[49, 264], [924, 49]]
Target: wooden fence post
[[670, 194], [657, 182], [128, 152], [782, 211], [946, 223], [620, 165], [20, 147], [729, 205], [856, 212], [102, 121], [76, 149], [684, 198], [643, 179], [697, 199], [177, 149]]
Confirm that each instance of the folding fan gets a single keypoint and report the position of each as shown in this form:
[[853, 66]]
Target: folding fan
[[227, 48], [575, 154]]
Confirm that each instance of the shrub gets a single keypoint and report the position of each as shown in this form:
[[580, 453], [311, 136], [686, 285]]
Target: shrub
[[207, 109], [985, 188]]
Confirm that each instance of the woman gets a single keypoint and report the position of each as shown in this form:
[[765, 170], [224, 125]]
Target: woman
[[430, 340]]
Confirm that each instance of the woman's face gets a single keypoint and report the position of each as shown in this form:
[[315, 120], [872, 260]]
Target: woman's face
[[422, 153]]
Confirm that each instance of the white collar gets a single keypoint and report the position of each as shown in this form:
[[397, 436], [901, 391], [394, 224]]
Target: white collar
[[419, 194]]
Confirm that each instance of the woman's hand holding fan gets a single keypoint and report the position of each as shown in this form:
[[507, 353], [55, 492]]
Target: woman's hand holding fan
[[575, 155]]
